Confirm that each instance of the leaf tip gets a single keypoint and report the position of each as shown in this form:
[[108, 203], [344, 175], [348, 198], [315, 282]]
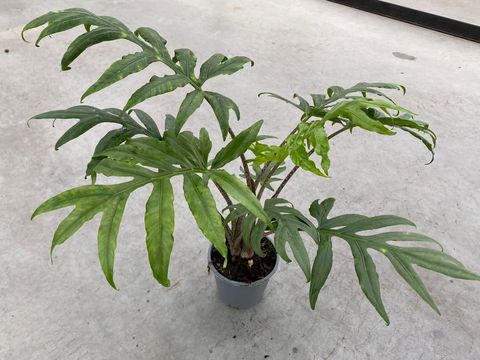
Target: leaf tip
[[111, 282], [431, 160], [23, 36]]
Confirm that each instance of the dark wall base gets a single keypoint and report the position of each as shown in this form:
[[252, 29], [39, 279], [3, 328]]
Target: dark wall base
[[416, 17]]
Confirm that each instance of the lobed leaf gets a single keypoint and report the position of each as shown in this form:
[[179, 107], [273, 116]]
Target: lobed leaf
[[187, 61], [320, 210], [402, 258], [158, 43], [219, 64]]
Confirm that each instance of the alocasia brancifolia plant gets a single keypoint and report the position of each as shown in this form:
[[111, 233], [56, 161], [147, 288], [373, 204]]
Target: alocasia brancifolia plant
[[139, 150]]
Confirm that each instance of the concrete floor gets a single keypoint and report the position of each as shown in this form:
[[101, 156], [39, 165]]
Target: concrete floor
[[68, 311]]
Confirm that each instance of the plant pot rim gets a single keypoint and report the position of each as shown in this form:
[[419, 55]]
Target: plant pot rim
[[223, 278]]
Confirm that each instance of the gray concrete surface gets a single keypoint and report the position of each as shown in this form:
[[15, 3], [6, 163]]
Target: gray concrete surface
[[68, 311]]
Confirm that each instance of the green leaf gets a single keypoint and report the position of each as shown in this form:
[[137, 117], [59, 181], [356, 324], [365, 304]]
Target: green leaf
[[320, 210], [219, 64], [205, 145], [376, 222], [132, 152], [158, 43], [63, 20], [336, 92], [84, 211], [192, 102], [59, 21], [237, 146], [127, 65], [402, 258], [320, 269], [170, 121], [342, 220], [240, 192], [425, 142], [88, 201], [321, 146], [298, 106], [300, 157], [156, 86], [204, 210], [303, 104], [69, 198], [39, 21], [438, 261], [109, 167], [88, 116], [360, 119], [187, 147], [148, 122], [287, 232], [401, 236], [187, 60], [159, 225], [90, 38], [318, 100], [107, 234], [268, 153], [237, 211], [407, 272], [109, 140], [247, 225], [368, 278], [256, 237], [221, 106]]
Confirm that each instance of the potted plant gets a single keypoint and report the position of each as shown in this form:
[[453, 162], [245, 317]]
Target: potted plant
[[248, 234]]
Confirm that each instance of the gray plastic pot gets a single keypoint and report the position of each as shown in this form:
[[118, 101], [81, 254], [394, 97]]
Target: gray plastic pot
[[239, 295]]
